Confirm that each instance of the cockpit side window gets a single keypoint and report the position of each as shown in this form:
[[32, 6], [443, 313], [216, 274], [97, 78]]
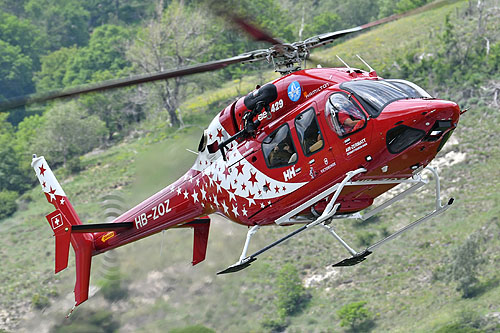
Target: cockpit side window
[[343, 115], [308, 131], [278, 148]]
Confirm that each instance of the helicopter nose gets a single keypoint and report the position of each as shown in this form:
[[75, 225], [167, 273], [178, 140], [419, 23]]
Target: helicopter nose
[[429, 121], [441, 116]]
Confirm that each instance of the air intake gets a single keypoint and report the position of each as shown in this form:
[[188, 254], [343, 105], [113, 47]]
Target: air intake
[[401, 137]]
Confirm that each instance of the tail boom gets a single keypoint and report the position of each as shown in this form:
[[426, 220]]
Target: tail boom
[[170, 208]]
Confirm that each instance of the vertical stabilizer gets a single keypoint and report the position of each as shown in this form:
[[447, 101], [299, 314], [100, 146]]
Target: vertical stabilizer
[[61, 221]]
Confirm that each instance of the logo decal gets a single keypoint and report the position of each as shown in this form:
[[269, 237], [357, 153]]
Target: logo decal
[[107, 236], [294, 91], [56, 221]]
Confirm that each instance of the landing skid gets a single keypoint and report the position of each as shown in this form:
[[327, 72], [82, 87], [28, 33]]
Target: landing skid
[[328, 216], [354, 260]]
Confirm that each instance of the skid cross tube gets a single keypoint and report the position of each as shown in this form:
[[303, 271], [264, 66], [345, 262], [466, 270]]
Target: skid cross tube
[[339, 186], [329, 211]]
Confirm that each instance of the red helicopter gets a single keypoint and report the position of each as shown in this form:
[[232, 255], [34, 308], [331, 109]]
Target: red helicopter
[[311, 147]]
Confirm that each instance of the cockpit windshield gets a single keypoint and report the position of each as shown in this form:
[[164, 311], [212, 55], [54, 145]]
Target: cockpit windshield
[[377, 94]]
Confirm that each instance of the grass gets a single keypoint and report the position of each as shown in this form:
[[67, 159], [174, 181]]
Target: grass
[[166, 292]]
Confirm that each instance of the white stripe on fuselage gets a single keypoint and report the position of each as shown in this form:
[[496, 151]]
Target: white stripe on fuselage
[[243, 177]]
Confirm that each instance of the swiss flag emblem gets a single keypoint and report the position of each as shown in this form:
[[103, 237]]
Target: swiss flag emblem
[[56, 221]]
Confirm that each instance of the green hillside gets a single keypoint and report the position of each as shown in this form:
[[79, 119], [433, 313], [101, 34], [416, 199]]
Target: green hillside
[[404, 283]]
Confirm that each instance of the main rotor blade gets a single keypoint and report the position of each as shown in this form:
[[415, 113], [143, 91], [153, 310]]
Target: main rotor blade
[[124, 82], [257, 33], [329, 37]]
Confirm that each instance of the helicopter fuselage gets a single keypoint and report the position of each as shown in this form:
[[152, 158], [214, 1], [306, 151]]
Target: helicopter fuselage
[[298, 150]]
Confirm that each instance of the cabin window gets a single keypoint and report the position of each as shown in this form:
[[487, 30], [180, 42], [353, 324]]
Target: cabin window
[[310, 137], [343, 115], [278, 148]]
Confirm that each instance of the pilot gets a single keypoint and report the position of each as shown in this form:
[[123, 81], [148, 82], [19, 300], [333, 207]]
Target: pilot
[[348, 116]]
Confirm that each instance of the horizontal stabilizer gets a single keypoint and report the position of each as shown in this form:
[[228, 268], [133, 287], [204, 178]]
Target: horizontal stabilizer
[[100, 227], [201, 227]]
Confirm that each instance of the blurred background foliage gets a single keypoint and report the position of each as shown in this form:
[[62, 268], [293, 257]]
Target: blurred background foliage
[[55, 44]]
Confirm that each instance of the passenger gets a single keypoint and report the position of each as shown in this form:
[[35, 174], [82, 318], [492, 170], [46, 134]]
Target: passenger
[[282, 156], [317, 144]]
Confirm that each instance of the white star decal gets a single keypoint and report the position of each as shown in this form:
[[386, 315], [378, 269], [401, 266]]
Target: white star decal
[[179, 190], [203, 193], [244, 211], [195, 196], [218, 188], [52, 196], [215, 201], [262, 205], [62, 201], [197, 181], [231, 196], [186, 194], [235, 211], [250, 200], [224, 207]]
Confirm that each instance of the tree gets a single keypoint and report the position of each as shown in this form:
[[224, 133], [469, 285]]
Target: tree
[[105, 53], [176, 38], [324, 22], [13, 177], [102, 59], [69, 131], [118, 11], [64, 22], [8, 204], [22, 33], [15, 71], [53, 69], [14, 7], [356, 317]]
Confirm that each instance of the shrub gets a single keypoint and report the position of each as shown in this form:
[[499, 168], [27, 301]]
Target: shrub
[[457, 328], [365, 238], [8, 204], [463, 268], [356, 317], [84, 320], [113, 289], [275, 324], [291, 294], [74, 165], [39, 301]]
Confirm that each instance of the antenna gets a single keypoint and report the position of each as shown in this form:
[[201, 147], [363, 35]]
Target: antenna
[[366, 64], [372, 71], [345, 64]]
